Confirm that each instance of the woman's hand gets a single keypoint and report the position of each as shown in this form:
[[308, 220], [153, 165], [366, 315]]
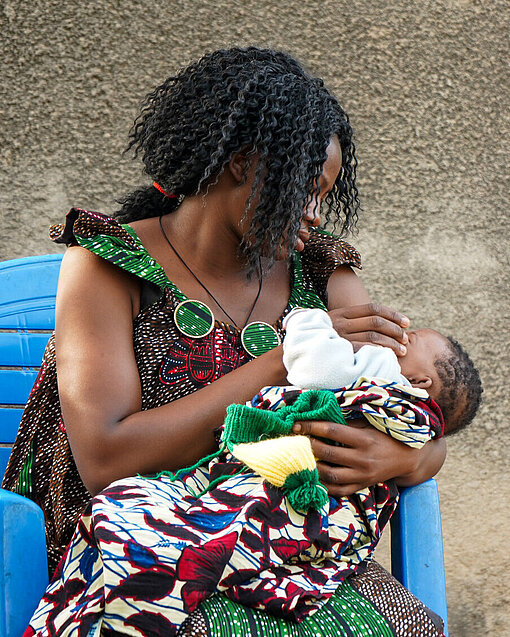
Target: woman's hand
[[371, 324], [358, 320], [367, 456]]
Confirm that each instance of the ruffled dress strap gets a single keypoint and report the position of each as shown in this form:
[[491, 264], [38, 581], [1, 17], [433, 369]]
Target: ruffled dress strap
[[115, 242], [323, 254]]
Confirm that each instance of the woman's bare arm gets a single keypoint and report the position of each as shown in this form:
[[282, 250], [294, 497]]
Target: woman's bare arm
[[99, 385], [358, 319]]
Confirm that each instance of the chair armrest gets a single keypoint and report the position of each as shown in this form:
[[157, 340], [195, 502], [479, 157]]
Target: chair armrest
[[23, 562], [417, 546]]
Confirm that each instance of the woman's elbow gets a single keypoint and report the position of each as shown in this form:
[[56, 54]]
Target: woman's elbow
[[98, 464], [95, 475], [427, 462]]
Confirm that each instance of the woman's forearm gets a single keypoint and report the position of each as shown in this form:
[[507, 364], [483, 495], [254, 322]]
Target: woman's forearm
[[428, 461], [181, 432]]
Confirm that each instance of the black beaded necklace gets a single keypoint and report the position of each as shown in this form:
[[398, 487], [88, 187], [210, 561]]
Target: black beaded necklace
[[195, 319]]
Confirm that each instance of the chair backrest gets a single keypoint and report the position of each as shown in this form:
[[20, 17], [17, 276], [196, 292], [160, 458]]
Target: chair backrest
[[27, 318]]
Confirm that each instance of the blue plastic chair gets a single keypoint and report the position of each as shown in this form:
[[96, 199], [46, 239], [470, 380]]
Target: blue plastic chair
[[27, 317]]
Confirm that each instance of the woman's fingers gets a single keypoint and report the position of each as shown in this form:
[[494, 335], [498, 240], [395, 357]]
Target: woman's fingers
[[353, 456], [376, 309], [396, 343], [343, 481], [380, 323], [347, 435], [372, 324], [341, 467]]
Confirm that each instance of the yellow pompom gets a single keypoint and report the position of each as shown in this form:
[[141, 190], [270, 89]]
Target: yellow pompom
[[277, 458]]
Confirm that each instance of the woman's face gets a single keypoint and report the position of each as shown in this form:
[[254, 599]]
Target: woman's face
[[312, 213]]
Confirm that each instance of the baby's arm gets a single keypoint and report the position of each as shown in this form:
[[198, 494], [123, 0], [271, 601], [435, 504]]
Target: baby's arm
[[316, 357]]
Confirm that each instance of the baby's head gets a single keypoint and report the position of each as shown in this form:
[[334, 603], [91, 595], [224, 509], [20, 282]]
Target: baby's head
[[440, 365]]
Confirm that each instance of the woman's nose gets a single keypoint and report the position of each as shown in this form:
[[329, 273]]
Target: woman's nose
[[312, 214]]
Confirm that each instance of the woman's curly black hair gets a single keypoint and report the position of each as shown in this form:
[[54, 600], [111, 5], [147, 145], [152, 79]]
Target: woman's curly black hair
[[255, 100]]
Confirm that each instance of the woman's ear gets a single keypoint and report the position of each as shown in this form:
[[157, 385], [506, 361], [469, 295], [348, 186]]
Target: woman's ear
[[423, 382], [238, 166]]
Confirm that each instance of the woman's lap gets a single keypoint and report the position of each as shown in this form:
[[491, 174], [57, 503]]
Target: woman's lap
[[369, 604], [125, 568]]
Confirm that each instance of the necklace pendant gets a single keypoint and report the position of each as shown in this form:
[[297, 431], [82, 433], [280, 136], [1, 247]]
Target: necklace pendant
[[258, 338], [194, 318]]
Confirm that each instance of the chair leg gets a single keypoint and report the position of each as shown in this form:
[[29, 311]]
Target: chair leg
[[417, 546]]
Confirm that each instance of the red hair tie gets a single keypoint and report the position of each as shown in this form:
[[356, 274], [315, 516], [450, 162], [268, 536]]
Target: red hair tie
[[163, 192]]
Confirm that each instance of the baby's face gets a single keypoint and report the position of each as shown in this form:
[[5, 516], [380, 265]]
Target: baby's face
[[425, 346]]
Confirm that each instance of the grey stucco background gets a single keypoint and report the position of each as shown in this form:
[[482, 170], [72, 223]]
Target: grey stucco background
[[426, 86]]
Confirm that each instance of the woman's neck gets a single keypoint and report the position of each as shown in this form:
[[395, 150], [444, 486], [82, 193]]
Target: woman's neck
[[205, 238]]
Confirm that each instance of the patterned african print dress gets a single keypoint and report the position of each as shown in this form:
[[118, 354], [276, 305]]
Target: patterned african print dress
[[146, 551]]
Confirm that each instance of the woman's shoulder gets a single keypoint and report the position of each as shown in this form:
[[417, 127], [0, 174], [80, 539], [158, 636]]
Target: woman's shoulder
[[323, 254], [105, 237]]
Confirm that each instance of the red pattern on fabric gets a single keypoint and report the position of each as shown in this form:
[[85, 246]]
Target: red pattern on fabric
[[201, 361]]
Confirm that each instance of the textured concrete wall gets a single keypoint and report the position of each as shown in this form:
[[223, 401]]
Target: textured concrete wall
[[426, 84]]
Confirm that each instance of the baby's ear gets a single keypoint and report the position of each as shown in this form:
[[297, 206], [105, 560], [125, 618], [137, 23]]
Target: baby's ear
[[423, 382]]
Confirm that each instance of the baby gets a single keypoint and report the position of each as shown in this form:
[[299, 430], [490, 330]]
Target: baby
[[433, 390], [316, 357]]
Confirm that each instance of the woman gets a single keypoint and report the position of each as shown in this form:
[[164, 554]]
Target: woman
[[164, 322]]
